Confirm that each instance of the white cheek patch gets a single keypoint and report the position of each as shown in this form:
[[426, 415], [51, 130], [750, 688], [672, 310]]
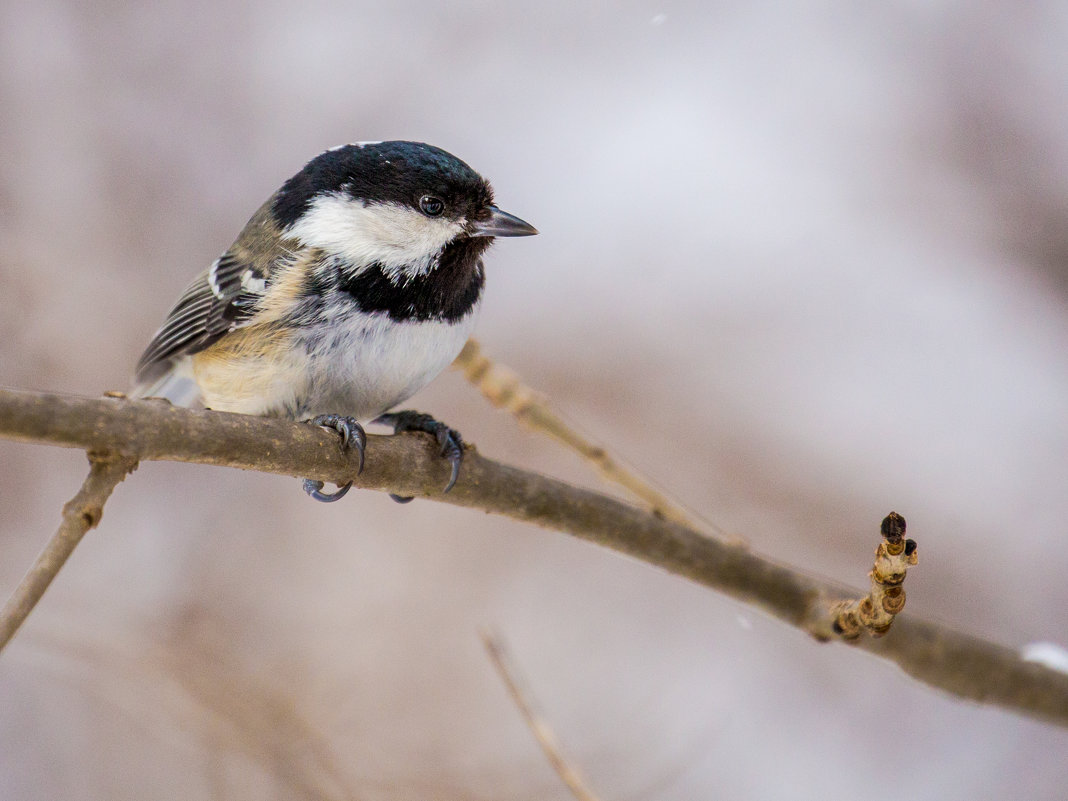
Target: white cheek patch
[[404, 241]]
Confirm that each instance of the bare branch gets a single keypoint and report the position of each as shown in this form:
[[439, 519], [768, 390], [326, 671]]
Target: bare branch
[[81, 513], [408, 465], [539, 727]]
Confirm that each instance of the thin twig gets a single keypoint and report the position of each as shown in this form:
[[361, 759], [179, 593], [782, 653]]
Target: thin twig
[[503, 388], [81, 513], [958, 663], [539, 727]]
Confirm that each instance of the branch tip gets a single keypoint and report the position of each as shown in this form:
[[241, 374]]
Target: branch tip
[[875, 612]]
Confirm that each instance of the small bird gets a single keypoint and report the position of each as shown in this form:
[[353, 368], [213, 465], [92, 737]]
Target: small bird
[[351, 288]]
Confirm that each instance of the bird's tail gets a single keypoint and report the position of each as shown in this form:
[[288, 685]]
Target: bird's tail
[[176, 384]]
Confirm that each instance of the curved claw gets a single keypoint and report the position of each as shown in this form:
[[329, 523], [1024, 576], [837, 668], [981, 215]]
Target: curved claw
[[402, 498], [315, 489], [352, 435], [449, 439], [455, 454]]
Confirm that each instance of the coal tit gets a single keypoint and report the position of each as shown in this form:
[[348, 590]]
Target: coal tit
[[351, 288]]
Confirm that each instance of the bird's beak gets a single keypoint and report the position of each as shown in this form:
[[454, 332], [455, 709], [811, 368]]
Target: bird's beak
[[500, 223]]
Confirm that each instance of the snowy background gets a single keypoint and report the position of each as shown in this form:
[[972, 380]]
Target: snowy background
[[801, 264]]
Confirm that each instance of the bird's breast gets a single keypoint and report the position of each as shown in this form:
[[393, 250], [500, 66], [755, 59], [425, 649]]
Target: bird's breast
[[361, 364]]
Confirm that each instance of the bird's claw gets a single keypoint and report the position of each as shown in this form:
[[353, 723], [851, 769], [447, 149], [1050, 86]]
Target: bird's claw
[[352, 435], [449, 440], [315, 489]]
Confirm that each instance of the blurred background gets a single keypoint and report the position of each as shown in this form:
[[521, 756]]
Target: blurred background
[[801, 265]]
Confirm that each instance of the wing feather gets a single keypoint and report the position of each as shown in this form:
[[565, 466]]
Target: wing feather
[[219, 300]]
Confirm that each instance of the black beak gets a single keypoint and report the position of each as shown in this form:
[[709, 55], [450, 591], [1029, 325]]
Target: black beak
[[501, 223]]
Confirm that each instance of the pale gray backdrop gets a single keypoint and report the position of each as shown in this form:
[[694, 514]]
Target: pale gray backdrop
[[803, 264]]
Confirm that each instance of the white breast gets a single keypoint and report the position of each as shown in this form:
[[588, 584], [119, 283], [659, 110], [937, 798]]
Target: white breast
[[364, 364]]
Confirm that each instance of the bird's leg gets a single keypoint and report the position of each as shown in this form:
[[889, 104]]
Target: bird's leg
[[449, 439], [352, 435]]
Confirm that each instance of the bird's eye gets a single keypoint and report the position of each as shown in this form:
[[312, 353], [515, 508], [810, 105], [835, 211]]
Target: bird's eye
[[431, 206]]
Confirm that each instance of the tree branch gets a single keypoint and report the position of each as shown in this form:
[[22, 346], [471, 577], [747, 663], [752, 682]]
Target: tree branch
[[81, 513], [408, 465]]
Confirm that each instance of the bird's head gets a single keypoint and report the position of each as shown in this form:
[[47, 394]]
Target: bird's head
[[394, 204]]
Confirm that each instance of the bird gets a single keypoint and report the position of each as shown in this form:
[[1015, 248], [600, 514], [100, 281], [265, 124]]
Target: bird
[[347, 291]]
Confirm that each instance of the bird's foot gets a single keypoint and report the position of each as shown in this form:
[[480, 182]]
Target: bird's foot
[[449, 440], [352, 435]]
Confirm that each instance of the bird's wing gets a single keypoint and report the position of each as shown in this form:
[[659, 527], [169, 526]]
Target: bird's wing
[[221, 299]]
